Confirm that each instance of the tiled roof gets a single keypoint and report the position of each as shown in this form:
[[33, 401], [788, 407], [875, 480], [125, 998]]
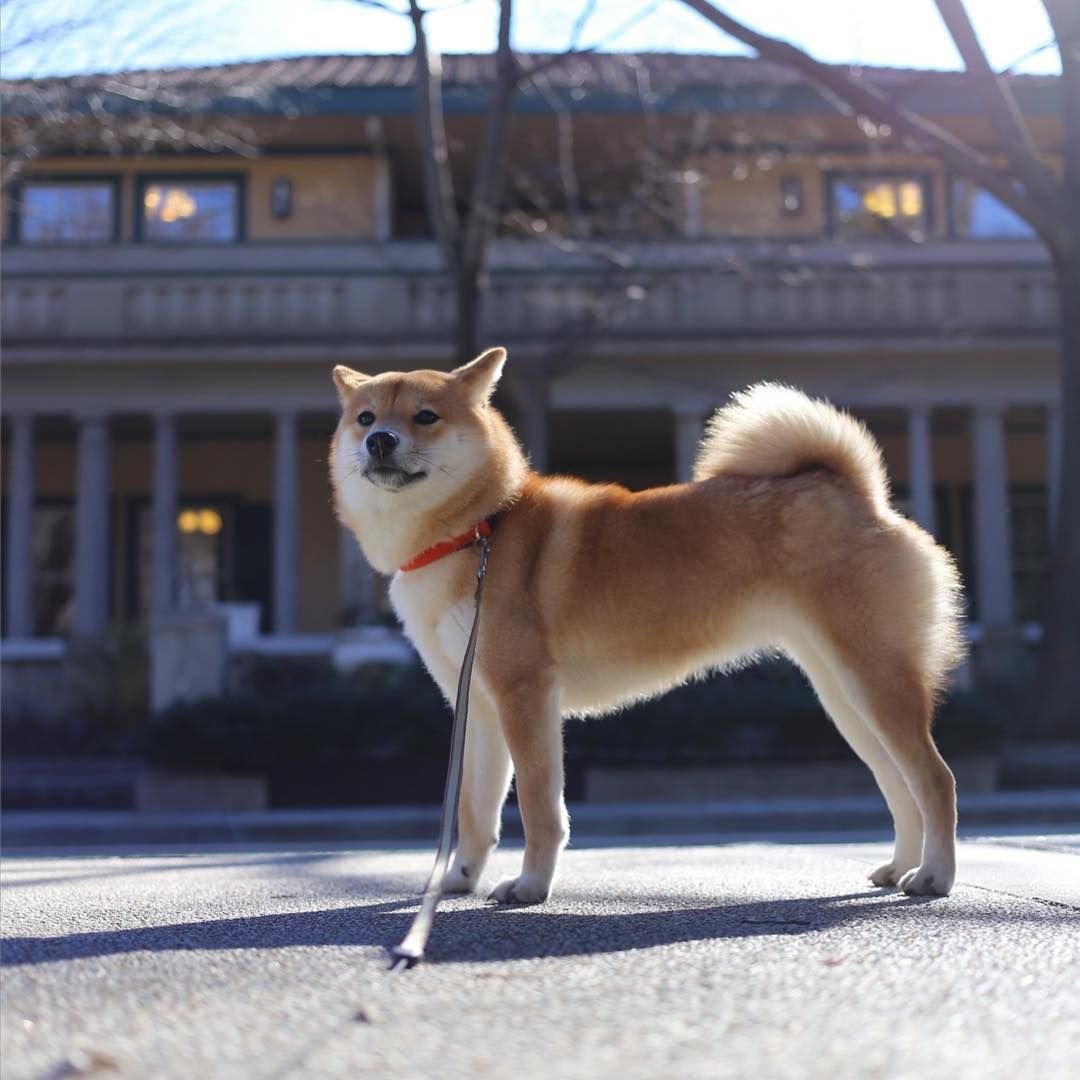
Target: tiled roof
[[618, 73], [582, 83]]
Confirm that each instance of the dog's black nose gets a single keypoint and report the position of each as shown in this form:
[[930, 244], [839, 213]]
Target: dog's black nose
[[381, 444]]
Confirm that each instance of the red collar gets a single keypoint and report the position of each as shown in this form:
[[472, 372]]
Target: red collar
[[448, 547]]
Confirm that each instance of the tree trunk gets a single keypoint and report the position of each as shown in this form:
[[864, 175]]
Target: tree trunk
[[468, 303], [1059, 716]]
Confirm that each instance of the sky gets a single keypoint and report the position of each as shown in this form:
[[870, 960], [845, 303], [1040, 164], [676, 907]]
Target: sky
[[60, 37]]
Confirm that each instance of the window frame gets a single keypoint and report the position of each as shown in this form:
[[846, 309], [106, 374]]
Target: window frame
[[113, 180], [144, 179], [951, 179], [924, 177]]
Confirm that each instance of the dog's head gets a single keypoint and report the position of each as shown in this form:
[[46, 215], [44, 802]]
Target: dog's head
[[416, 444]]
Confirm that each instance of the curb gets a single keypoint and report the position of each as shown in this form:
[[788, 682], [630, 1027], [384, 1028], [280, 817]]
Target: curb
[[125, 828]]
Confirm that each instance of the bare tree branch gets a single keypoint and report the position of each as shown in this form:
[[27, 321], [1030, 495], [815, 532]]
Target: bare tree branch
[[869, 100], [564, 121], [136, 111], [574, 50], [586, 13], [483, 207], [1064, 18], [437, 178], [380, 5], [1024, 57], [997, 96]]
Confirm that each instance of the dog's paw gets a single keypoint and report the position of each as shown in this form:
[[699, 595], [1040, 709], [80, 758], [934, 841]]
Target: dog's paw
[[460, 879], [926, 881], [889, 873], [520, 890], [884, 875]]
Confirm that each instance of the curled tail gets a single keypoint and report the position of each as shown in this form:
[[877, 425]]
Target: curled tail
[[774, 430]]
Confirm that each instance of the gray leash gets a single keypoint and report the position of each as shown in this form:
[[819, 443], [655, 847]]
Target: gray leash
[[411, 950]]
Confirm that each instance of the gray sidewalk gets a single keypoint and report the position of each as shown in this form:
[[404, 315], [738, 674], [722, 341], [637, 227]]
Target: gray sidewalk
[[714, 961], [43, 829]]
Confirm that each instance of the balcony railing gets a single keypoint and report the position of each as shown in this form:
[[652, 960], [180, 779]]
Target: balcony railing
[[323, 293]]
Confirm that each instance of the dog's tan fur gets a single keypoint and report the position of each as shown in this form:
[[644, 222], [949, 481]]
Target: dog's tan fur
[[597, 596]]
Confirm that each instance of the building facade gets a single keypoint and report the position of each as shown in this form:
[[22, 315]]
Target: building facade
[[674, 229]]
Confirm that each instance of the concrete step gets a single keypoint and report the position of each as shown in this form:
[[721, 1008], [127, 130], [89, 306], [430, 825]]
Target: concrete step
[[40, 783]]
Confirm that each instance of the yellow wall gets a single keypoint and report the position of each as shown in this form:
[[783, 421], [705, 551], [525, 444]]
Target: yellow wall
[[740, 197], [334, 195]]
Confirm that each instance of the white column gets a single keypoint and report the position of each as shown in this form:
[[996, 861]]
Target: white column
[[921, 467], [1054, 443], [286, 511], [18, 588], [689, 427], [92, 526], [993, 544], [165, 502]]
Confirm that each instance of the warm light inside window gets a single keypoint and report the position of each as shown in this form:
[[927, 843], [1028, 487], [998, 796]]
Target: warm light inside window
[[169, 204], [209, 522], [205, 520], [910, 198], [881, 200], [197, 210], [888, 199]]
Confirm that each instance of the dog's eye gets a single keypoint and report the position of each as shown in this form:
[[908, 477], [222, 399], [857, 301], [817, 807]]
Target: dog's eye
[[425, 416], [366, 419]]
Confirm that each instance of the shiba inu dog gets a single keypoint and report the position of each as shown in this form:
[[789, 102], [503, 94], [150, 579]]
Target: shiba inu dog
[[597, 596]]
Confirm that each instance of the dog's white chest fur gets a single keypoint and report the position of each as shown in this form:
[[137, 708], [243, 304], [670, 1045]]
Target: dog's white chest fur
[[437, 622]]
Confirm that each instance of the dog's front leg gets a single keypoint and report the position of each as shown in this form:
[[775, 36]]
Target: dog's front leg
[[532, 724], [484, 781]]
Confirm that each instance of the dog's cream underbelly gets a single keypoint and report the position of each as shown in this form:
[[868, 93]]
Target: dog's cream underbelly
[[595, 677]]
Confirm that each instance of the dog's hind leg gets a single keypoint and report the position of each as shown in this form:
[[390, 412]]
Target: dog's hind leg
[[907, 820], [899, 708], [532, 723], [484, 783]]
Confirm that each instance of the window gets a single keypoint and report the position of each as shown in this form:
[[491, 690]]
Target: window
[[1029, 525], [67, 212], [52, 551], [224, 554], [879, 206], [51, 570], [189, 211], [977, 213], [203, 541]]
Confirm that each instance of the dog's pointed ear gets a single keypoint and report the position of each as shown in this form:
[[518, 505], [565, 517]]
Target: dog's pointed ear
[[346, 381], [480, 376]]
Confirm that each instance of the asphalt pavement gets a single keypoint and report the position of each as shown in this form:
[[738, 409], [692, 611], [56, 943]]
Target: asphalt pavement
[[742, 958]]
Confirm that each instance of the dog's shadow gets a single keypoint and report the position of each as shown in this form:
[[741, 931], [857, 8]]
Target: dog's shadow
[[466, 932]]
